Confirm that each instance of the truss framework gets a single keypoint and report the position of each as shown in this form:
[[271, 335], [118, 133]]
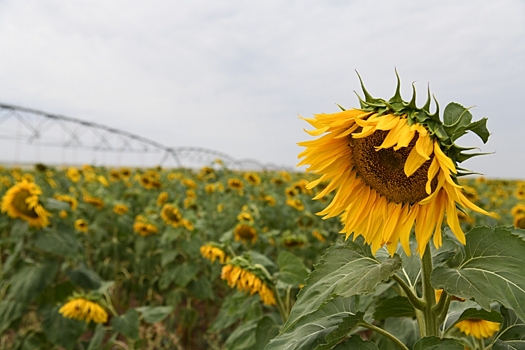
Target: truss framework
[[42, 129]]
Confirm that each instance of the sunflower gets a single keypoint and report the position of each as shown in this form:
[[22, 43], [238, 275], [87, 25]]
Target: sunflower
[[73, 174], [245, 233], [171, 215], [252, 178], [94, 201], [295, 203], [245, 217], [270, 200], [213, 252], [85, 310], [518, 209], [81, 225], [240, 274], [393, 166], [520, 192], [318, 235], [73, 203], [189, 183], [162, 198], [120, 209], [478, 328], [235, 184], [22, 201], [519, 221], [294, 241], [144, 228]]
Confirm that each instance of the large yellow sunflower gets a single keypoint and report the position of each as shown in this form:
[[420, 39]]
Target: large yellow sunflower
[[393, 166], [22, 201]]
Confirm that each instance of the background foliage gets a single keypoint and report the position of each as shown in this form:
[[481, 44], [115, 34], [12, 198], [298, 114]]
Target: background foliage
[[162, 293]]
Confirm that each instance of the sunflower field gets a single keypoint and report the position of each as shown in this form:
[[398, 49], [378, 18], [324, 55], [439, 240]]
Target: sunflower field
[[109, 258]]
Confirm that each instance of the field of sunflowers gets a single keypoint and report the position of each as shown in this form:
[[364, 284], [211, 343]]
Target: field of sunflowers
[[211, 258]]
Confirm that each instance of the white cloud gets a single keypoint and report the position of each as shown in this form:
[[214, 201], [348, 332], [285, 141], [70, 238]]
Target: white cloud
[[233, 75]]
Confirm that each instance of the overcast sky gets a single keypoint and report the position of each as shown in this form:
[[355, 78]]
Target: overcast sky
[[234, 75]]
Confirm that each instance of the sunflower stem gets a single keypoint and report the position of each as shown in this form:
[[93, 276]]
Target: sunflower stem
[[381, 331], [280, 305], [427, 319], [441, 308], [481, 343], [412, 297]]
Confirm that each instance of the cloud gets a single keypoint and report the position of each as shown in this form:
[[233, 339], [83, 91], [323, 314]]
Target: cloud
[[233, 75]]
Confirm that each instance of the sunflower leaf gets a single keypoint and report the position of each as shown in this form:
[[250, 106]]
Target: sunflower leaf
[[491, 271], [480, 128], [356, 343], [394, 307], [346, 269], [291, 269], [310, 331], [455, 115], [436, 343], [512, 332]]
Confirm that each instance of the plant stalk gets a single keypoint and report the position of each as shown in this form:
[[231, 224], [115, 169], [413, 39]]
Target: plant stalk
[[384, 333], [427, 319]]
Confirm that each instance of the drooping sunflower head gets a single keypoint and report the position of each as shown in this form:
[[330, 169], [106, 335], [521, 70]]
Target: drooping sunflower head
[[245, 233], [82, 309], [162, 198], [478, 328], [213, 251], [120, 209], [22, 201], [240, 273], [94, 201], [393, 166]]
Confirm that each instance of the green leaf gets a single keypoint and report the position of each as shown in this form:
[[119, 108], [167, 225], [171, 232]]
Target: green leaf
[[153, 314], [97, 338], [60, 242], [127, 324], [10, 311], [479, 127], [291, 269], [311, 329], [233, 308], [456, 115], [394, 307], [60, 330], [167, 257], [180, 274], [405, 329], [346, 269], [85, 278], [356, 343], [243, 337], [436, 343], [202, 288], [492, 270], [342, 331], [29, 281], [512, 332], [12, 257], [267, 329]]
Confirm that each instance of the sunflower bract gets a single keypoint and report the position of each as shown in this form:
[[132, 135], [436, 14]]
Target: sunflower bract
[[393, 167]]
